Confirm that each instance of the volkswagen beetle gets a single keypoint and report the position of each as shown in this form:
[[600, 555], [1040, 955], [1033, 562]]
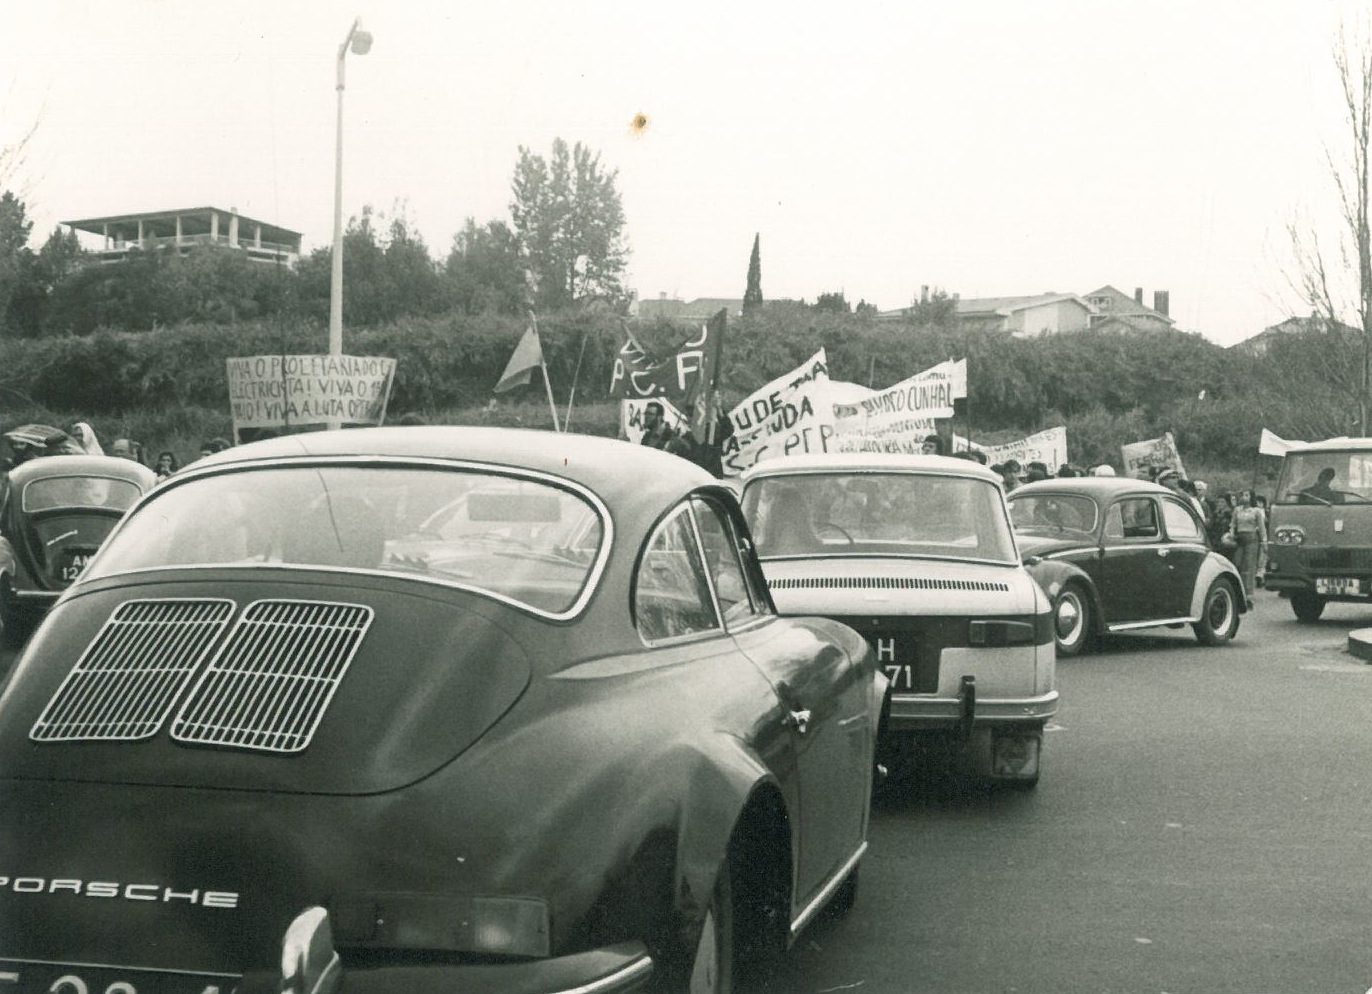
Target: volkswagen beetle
[[54, 513], [1117, 554], [428, 709]]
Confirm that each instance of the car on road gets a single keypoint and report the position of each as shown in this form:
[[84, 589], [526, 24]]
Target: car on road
[[917, 554], [428, 708], [54, 513], [1117, 554], [1320, 526]]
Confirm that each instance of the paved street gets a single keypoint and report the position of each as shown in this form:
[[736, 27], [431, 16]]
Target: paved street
[[1202, 826]]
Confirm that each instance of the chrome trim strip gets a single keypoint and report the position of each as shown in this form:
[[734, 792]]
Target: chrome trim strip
[[1128, 625], [121, 966], [639, 969], [827, 891], [899, 556], [588, 589]]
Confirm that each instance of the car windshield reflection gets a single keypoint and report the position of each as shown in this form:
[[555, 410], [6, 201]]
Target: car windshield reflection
[[522, 539]]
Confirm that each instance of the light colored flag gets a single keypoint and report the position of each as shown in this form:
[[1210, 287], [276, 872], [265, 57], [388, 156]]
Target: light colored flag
[[528, 356]]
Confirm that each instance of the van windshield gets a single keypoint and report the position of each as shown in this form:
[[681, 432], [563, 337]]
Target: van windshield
[[1326, 477]]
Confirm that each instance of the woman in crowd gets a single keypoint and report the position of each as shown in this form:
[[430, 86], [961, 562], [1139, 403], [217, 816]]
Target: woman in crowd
[[1221, 523], [1249, 531], [167, 464]]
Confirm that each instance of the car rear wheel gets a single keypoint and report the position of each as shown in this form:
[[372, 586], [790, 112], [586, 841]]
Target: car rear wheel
[[1072, 620], [1219, 618], [1308, 606]]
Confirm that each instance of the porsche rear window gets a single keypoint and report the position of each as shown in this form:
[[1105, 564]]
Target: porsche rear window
[[524, 540], [79, 491]]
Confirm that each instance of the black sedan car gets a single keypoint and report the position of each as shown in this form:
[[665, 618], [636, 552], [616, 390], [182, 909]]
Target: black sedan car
[[54, 513], [1117, 554], [428, 709]]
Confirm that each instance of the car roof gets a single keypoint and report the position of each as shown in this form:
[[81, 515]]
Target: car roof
[[611, 468], [870, 462], [1099, 487], [1340, 444], [40, 467]]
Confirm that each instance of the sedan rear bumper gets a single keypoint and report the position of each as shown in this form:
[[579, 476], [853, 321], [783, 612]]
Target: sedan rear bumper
[[928, 712]]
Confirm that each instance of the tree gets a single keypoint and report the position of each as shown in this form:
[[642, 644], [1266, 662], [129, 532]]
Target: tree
[[752, 296], [16, 259], [570, 223], [832, 303], [484, 273], [1323, 286]]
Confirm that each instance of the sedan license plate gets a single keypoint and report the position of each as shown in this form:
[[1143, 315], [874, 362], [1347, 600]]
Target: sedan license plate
[[28, 977], [1340, 586], [896, 658]]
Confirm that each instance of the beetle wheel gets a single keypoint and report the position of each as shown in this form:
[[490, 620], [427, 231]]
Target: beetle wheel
[[1219, 619], [1072, 620]]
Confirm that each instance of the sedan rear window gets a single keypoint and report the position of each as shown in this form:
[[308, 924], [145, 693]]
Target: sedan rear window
[[864, 514], [525, 540]]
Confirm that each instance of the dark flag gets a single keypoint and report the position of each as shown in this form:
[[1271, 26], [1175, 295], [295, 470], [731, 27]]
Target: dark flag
[[678, 377]]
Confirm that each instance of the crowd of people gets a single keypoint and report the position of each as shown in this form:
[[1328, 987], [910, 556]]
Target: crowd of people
[[79, 438]]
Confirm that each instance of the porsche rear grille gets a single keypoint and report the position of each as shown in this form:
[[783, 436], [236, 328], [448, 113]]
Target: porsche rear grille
[[882, 583], [267, 689], [128, 678]]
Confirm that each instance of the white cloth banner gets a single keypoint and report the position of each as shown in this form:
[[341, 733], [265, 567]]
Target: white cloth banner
[[631, 417], [792, 415], [1141, 458], [898, 418], [1048, 447], [1270, 445]]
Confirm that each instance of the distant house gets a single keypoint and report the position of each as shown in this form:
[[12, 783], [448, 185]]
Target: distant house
[[185, 229], [1258, 344], [1126, 312], [1022, 317], [699, 309]]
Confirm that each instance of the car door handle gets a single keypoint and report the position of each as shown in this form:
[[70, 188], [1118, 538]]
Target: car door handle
[[799, 720]]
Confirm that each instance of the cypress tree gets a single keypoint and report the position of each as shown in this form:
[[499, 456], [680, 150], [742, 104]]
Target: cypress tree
[[752, 297]]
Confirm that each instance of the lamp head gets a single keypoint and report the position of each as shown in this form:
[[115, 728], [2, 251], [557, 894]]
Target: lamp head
[[361, 42]]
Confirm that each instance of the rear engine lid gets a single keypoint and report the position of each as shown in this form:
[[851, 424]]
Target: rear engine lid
[[334, 685]]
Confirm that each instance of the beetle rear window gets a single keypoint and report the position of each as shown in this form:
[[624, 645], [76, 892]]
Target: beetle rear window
[[525, 540], [79, 491]]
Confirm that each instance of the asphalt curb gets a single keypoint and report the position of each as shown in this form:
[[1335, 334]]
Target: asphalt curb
[[1360, 644]]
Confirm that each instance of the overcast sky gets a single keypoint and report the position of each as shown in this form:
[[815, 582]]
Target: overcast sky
[[988, 148]]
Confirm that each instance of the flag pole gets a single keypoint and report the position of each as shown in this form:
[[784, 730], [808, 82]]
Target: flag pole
[[547, 380], [576, 375]]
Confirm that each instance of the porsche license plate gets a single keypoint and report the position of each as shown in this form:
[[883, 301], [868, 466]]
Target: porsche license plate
[[28, 977], [1340, 586]]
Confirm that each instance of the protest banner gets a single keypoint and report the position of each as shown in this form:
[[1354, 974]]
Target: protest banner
[[631, 418], [792, 415], [1143, 460], [277, 391], [1048, 447], [898, 418], [637, 374]]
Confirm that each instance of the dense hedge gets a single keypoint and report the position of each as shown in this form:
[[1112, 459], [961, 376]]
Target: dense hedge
[[1107, 388]]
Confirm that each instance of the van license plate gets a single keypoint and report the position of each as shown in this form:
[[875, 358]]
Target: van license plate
[[1340, 586]]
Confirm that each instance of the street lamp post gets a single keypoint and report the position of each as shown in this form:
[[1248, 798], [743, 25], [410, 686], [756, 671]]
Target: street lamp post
[[360, 42]]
